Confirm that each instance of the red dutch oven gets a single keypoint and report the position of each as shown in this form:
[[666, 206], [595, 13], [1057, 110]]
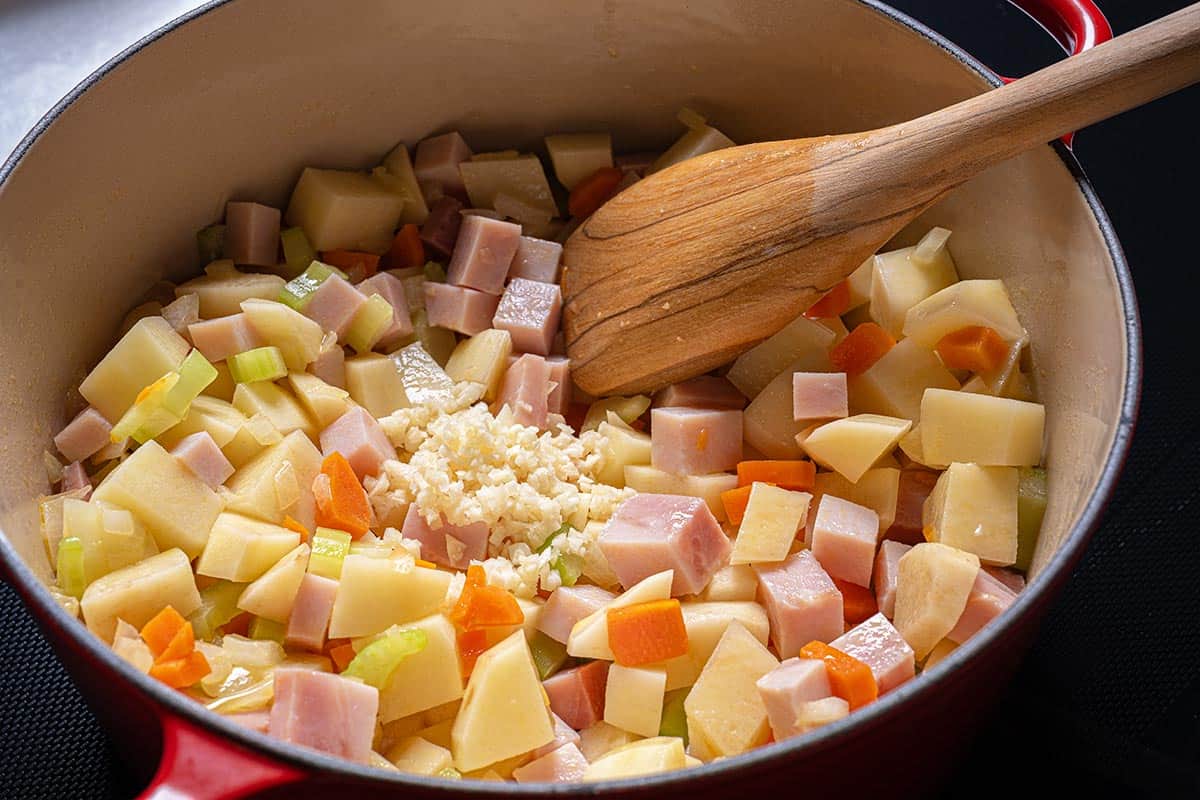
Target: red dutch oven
[[100, 199]]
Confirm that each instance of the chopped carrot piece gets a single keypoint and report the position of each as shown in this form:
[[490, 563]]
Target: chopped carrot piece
[[160, 631], [594, 191], [483, 606], [644, 633], [343, 504], [858, 602], [420, 562], [471, 645], [850, 679], [735, 502], [293, 524], [342, 655], [865, 345], [239, 624], [180, 673], [182, 643], [975, 347], [833, 303], [352, 261], [794, 475], [407, 249]]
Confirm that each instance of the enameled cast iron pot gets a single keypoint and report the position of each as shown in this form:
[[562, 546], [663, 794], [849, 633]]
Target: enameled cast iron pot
[[101, 200]]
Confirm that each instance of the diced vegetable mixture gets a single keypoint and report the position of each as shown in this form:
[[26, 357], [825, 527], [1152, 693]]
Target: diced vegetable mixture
[[340, 487]]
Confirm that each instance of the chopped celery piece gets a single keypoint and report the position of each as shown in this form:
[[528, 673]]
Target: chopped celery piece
[[148, 416], [329, 549], [297, 251], [450, 772], [438, 342], [370, 321], [218, 605], [548, 655], [210, 242], [259, 364], [569, 568], [195, 374], [1031, 507], [566, 526], [435, 272], [267, 629], [296, 292], [627, 408], [674, 720], [69, 566], [376, 662]]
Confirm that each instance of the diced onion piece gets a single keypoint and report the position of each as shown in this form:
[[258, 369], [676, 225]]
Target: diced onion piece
[[69, 566], [267, 630], [627, 408], [569, 568], [548, 655], [329, 549], [370, 321], [434, 272], [195, 374], [297, 251], [691, 118], [54, 467], [296, 292], [218, 605], [933, 241], [259, 364], [376, 662]]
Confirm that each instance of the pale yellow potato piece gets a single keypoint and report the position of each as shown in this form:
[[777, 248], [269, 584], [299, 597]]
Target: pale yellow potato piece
[[910, 444], [438, 733], [242, 549], [398, 165], [816, 713], [603, 738], [344, 210], [974, 508], [645, 478], [706, 623], [980, 429], [504, 711], [800, 346], [851, 446], [322, 402], [218, 418], [643, 757], [877, 489], [222, 386], [272, 594], [481, 359], [222, 289], [589, 637], [421, 375], [623, 447], [426, 679], [376, 593], [899, 281], [969, 302], [731, 583], [112, 537], [297, 337], [859, 284], [894, 385], [768, 424], [575, 156], [278, 482], [138, 592], [700, 139], [933, 582], [419, 756], [374, 383], [276, 404], [773, 516], [522, 178], [256, 434], [147, 351], [175, 506], [633, 698], [943, 648], [725, 713]]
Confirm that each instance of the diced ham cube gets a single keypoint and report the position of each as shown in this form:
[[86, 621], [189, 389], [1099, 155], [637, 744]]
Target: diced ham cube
[[819, 396], [705, 391], [76, 477], [786, 688], [1014, 580], [460, 309], [218, 339], [325, 712], [334, 304], [887, 565], [252, 234], [449, 545], [200, 454], [695, 441], [437, 159], [560, 375], [802, 602], [988, 599], [536, 260], [439, 232], [530, 311], [330, 365], [577, 695], [311, 610], [525, 389], [567, 605], [84, 435], [881, 647], [483, 253], [844, 539], [391, 289], [562, 765], [915, 486], [254, 720], [359, 437], [650, 533], [564, 734]]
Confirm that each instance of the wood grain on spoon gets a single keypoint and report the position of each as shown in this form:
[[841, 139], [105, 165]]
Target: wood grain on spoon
[[689, 267]]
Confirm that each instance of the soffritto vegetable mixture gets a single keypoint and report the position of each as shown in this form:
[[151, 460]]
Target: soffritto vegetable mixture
[[340, 489]]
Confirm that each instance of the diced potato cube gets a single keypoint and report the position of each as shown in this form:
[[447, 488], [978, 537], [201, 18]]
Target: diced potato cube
[[895, 384], [725, 712], [589, 636], [943, 648], [218, 418], [603, 738], [138, 592], [851, 446], [344, 210], [633, 698], [706, 623], [522, 178], [877, 489], [644, 757], [647, 479], [971, 302], [241, 549], [900, 281], [399, 166], [801, 346], [271, 596], [910, 445], [575, 156], [278, 482], [376, 593], [735, 582], [297, 337], [816, 713], [323, 403], [427, 679], [773, 516], [481, 359], [420, 757], [974, 508], [980, 429], [768, 422], [374, 383], [623, 447], [112, 537], [932, 586], [149, 350], [859, 284], [699, 139], [223, 289], [275, 403]]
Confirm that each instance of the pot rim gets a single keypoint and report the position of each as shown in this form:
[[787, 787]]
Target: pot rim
[[895, 702]]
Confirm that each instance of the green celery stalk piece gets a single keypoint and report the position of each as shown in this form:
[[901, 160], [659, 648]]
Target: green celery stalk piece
[[566, 526], [261, 628], [674, 719], [329, 549], [296, 292], [195, 374], [218, 605], [438, 342], [297, 251], [376, 662], [259, 364], [210, 243], [435, 272], [548, 655], [370, 321], [1031, 507], [148, 416], [69, 567], [569, 568]]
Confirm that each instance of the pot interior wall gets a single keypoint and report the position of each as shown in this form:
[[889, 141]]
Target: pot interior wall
[[236, 102]]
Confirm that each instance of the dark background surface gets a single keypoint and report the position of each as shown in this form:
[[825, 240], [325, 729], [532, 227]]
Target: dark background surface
[[1108, 702]]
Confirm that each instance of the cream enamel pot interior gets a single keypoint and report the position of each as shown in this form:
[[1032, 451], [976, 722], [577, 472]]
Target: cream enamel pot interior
[[102, 199]]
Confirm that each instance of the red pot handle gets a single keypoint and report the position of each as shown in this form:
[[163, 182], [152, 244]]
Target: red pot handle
[[1078, 25], [198, 765]]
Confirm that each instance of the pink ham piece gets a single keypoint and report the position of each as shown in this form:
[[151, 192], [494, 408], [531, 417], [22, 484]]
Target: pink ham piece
[[695, 441], [562, 765], [200, 454], [525, 389], [334, 304], [1015, 581], [84, 435], [325, 712], [560, 375], [650, 533], [577, 695], [564, 734], [483, 253], [439, 232], [449, 545], [789, 686], [887, 566], [802, 602], [458, 308], [254, 720], [330, 366], [530, 311], [218, 339], [844, 538], [819, 395], [567, 605], [536, 260], [252, 234], [391, 289], [705, 391], [182, 311], [915, 486], [437, 159], [358, 436], [310, 612], [76, 477], [881, 647], [987, 600]]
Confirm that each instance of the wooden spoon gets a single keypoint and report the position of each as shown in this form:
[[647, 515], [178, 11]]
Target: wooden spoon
[[686, 269]]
